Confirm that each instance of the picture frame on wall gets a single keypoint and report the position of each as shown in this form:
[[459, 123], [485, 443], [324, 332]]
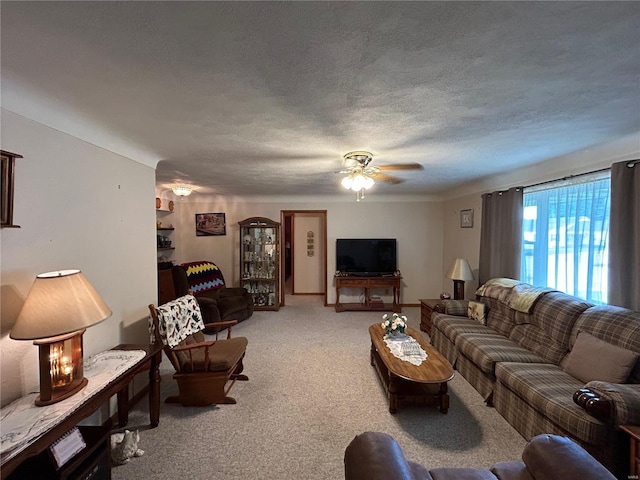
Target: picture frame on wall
[[466, 218], [7, 168], [208, 224]]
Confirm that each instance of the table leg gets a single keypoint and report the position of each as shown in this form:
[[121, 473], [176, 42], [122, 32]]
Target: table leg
[[372, 353], [123, 406], [393, 393], [396, 300], [444, 398]]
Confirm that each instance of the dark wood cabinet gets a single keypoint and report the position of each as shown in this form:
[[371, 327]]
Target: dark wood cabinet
[[427, 306], [367, 283], [93, 462]]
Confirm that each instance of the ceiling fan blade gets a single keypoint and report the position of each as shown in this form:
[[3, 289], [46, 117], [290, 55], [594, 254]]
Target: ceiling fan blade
[[400, 166], [383, 177]]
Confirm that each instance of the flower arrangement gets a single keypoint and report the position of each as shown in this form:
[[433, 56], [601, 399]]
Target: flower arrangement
[[395, 324]]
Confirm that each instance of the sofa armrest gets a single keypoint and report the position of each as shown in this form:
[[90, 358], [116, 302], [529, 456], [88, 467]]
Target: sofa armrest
[[377, 456], [615, 402], [458, 308], [553, 457], [594, 404]]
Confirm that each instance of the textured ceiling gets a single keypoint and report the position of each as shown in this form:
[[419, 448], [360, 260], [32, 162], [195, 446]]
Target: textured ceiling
[[265, 98]]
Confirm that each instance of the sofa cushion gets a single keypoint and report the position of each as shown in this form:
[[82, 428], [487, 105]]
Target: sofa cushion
[[223, 355], [500, 317], [485, 350], [513, 470], [547, 331], [595, 359], [453, 473], [451, 326], [615, 325], [230, 306], [549, 391]]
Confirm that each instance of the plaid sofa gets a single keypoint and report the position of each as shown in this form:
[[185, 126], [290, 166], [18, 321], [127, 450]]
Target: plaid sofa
[[518, 362]]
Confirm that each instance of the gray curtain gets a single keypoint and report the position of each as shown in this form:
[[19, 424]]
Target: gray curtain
[[624, 235], [501, 235]]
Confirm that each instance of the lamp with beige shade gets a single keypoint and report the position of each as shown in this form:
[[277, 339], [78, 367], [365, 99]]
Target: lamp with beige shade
[[57, 311], [459, 272]]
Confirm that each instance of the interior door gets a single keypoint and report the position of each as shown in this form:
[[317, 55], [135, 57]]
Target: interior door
[[304, 259]]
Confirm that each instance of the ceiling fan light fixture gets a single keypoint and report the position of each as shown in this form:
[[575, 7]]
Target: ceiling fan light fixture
[[368, 182], [182, 190], [357, 181]]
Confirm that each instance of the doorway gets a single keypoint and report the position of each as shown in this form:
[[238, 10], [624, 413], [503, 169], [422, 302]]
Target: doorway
[[304, 254]]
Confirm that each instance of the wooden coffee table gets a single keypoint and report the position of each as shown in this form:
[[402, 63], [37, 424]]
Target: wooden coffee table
[[425, 384]]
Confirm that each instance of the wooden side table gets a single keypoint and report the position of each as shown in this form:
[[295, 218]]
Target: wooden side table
[[426, 309], [634, 448], [71, 414]]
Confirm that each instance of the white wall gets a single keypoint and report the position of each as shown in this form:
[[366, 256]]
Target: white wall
[[415, 222], [461, 242], [78, 206]]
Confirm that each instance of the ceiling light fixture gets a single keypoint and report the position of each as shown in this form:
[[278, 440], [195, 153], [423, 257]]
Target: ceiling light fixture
[[358, 182], [182, 190], [358, 177]]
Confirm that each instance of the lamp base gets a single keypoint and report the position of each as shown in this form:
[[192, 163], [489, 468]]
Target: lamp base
[[61, 368], [458, 289], [65, 393]]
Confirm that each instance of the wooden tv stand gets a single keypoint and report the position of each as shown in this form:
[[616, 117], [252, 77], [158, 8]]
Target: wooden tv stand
[[368, 283]]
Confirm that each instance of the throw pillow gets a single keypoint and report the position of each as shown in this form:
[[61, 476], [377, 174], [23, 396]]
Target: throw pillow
[[477, 311], [594, 359]]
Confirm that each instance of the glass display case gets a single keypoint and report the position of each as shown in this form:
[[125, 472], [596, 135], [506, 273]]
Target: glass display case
[[260, 261]]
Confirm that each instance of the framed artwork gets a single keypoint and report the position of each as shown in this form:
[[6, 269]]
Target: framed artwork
[[6, 189], [210, 224], [466, 218]]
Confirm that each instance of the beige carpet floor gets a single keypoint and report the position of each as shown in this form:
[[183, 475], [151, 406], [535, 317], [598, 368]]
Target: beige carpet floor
[[311, 389]]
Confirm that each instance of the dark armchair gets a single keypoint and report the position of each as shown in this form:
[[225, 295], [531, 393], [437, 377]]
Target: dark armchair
[[205, 281]]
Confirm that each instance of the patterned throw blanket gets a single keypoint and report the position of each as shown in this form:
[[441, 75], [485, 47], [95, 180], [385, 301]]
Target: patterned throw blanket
[[519, 296], [203, 276], [178, 319]]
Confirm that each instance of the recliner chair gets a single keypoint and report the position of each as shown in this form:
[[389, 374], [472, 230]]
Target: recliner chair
[[205, 281]]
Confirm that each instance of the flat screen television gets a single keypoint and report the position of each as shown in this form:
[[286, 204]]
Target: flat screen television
[[366, 256]]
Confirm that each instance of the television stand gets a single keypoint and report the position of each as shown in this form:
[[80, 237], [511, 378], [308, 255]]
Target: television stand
[[367, 283]]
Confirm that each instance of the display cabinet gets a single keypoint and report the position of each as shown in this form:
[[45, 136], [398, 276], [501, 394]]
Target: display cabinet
[[260, 261]]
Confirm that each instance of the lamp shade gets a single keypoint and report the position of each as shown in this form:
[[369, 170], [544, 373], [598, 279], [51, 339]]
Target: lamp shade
[[58, 303], [460, 270]]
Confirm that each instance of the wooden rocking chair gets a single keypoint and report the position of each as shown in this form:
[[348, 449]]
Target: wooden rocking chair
[[205, 369]]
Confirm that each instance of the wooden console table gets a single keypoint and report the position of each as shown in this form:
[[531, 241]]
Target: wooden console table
[[367, 283], [11, 459]]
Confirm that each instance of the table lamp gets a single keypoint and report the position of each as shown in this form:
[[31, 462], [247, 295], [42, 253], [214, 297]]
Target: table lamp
[[459, 272], [57, 311]]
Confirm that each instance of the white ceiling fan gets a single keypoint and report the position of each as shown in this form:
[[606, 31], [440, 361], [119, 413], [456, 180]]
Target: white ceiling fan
[[361, 175]]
